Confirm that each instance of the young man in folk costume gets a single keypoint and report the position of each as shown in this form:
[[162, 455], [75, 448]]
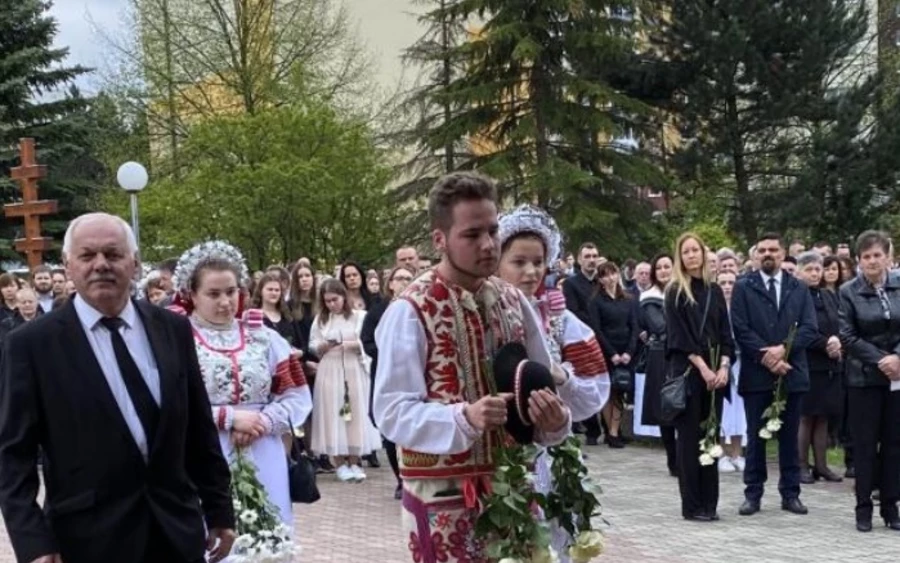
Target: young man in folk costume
[[432, 391]]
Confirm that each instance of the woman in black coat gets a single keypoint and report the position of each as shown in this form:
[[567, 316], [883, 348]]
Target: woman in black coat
[[870, 335], [652, 324], [397, 280], [614, 321], [825, 397], [697, 324]]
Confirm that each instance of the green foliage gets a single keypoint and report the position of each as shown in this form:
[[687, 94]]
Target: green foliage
[[573, 500], [281, 183], [756, 78], [36, 100], [506, 524]]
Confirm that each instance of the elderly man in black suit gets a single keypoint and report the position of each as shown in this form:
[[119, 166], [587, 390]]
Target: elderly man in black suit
[[765, 305], [111, 391]]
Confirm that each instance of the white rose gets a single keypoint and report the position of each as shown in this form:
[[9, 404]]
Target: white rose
[[587, 546], [706, 459], [717, 451], [765, 434], [545, 556], [773, 425], [510, 560], [249, 517]]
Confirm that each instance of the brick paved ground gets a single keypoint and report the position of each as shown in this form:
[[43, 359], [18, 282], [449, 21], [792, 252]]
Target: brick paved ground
[[358, 523]]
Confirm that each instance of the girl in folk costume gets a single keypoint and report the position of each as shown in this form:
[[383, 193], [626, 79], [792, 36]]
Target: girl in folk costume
[[529, 244], [255, 383], [341, 427], [432, 393]]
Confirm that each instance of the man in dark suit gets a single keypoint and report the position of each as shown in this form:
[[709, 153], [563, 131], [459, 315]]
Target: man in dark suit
[[765, 306], [111, 391], [579, 288]]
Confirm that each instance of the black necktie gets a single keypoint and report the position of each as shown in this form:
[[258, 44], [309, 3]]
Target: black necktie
[[773, 293], [141, 398]]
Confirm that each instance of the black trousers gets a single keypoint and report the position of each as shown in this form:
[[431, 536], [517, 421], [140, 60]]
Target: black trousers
[[698, 484], [755, 472], [875, 428], [161, 550], [667, 433]]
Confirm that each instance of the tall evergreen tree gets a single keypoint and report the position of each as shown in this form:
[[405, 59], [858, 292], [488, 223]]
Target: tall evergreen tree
[[538, 112], [37, 99], [757, 80]]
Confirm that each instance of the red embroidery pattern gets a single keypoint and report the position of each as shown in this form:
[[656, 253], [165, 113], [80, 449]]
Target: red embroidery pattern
[[288, 374], [586, 357], [440, 307]]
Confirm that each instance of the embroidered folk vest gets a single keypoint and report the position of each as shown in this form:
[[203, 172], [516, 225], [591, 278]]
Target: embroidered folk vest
[[462, 331]]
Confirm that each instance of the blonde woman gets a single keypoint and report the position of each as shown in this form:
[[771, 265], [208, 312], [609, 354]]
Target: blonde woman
[[697, 325]]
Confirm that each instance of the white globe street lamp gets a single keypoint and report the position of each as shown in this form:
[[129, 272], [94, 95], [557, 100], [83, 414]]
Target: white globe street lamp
[[132, 177]]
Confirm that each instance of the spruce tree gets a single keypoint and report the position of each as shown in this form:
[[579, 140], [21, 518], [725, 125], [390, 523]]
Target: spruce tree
[[38, 99], [758, 85], [535, 107]]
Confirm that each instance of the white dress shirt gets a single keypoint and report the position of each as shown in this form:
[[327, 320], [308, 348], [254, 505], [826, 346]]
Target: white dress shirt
[[138, 345], [779, 275]]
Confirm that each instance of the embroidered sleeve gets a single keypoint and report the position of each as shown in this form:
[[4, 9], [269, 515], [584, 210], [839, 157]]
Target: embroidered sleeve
[[581, 349], [290, 401]]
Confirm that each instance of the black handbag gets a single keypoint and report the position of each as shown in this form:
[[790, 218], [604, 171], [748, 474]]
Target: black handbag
[[674, 392], [301, 473], [622, 379]]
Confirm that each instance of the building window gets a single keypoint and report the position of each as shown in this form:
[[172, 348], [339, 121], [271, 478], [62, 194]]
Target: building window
[[627, 142], [622, 13]]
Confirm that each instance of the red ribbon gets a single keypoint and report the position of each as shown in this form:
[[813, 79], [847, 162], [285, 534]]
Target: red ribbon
[[474, 488]]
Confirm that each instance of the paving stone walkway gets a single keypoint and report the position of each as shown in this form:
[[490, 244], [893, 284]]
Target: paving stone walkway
[[359, 523]]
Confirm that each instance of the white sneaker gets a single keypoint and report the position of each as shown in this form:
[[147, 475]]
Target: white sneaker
[[739, 463], [357, 472], [345, 474], [725, 465]]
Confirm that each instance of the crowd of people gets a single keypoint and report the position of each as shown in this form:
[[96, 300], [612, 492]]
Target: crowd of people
[[783, 343]]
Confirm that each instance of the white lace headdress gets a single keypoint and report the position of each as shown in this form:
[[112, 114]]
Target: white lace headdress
[[530, 219], [203, 253]]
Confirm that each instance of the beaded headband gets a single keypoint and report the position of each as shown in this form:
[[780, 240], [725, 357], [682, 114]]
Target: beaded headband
[[202, 254], [530, 219]]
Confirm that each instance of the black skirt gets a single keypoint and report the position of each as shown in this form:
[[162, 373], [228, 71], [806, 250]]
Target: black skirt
[[656, 376], [826, 394]]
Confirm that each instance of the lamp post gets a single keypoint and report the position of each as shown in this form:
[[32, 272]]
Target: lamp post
[[132, 176]]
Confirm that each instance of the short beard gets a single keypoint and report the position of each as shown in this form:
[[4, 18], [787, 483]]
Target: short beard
[[768, 269]]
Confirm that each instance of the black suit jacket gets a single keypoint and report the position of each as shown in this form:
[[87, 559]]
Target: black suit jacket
[[101, 497], [759, 323]]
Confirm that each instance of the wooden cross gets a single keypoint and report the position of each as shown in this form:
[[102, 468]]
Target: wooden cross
[[31, 208]]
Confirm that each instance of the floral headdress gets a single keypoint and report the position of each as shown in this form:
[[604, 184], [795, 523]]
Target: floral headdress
[[530, 219], [198, 256]]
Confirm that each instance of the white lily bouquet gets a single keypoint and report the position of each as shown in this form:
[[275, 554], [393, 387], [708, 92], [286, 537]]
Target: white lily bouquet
[[772, 415], [710, 450], [261, 535]]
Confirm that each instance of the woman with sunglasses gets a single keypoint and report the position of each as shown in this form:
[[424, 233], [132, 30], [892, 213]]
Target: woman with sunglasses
[[870, 335]]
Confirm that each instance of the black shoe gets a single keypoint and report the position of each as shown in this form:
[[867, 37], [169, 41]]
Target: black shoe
[[714, 517], [398, 492], [850, 473], [372, 460], [615, 442], [794, 506], [826, 474], [863, 525], [699, 517], [893, 524], [324, 465], [590, 441], [807, 477], [748, 508]]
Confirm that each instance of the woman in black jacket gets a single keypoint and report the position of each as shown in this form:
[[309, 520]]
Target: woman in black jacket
[[870, 334], [652, 324], [614, 321], [397, 280], [697, 325], [825, 397]]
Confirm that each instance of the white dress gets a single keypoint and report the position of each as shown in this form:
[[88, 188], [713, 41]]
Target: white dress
[[250, 367], [734, 421], [573, 346], [331, 434]]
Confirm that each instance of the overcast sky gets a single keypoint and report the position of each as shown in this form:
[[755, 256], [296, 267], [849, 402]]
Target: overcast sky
[[384, 25]]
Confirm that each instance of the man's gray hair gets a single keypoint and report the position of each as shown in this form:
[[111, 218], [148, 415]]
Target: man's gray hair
[[809, 257], [73, 224], [726, 254]]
